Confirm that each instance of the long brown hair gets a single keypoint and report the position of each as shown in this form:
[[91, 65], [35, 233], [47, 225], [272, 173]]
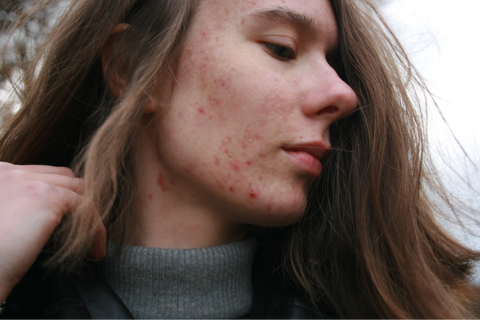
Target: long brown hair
[[368, 246]]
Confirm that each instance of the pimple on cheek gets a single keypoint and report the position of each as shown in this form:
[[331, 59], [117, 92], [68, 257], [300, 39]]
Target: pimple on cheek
[[227, 141], [150, 197], [213, 100], [228, 153], [217, 161], [235, 165], [252, 193], [201, 110]]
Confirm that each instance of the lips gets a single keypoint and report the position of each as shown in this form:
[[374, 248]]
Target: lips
[[308, 156]]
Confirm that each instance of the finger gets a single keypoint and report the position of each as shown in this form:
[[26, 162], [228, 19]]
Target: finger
[[4, 166], [21, 177], [70, 183]]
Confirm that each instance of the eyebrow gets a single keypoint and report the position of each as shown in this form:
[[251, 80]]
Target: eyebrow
[[279, 14]]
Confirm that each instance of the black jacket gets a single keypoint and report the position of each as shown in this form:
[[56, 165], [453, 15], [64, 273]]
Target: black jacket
[[86, 294]]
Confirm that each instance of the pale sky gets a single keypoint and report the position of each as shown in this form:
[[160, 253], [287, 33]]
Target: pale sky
[[443, 41], [442, 37]]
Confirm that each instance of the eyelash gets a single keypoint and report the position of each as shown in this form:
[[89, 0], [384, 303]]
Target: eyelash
[[281, 52]]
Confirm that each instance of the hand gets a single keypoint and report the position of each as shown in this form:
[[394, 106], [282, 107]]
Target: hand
[[33, 201]]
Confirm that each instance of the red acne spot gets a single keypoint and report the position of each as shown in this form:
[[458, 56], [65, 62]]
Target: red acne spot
[[227, 153], [150, 196], [231, 189], [213, 100], [262, 156], [243, 22], [228, 141], [201, 110], [211, 117], [161, 182], [260, 178], [217, 161], [204, 34], [253, 194], [249, 162], [222, 83], [235, 165], [186, 170]]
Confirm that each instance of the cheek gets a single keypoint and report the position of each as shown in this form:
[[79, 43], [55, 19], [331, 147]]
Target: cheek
[[227, 117]]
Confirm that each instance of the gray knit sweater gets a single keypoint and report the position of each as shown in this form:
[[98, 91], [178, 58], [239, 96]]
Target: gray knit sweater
[[210, 282]]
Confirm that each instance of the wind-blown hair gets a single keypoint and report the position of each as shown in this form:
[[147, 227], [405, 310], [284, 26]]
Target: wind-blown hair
[[369, 245]]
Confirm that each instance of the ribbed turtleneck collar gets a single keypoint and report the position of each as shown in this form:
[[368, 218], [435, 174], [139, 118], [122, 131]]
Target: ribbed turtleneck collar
[[210, 282]]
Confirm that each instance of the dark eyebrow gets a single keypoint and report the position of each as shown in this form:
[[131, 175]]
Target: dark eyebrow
[[298, 20]]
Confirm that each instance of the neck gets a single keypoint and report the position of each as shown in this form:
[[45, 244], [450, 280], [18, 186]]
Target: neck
[[171, 215]]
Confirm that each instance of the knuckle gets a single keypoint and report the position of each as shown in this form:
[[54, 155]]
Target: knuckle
[[66, 171], [79, 184], [37, 189], [14, 175], [5, 166]]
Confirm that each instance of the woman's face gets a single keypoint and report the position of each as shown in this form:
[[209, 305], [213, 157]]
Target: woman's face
[[245, 127]]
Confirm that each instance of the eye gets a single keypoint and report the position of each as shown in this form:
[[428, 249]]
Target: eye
[[281, 52]]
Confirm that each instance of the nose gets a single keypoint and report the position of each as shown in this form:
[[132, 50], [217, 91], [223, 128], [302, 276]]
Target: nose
[[328, 95]]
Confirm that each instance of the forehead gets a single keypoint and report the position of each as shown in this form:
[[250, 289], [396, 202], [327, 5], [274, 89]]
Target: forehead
[[317, 13]]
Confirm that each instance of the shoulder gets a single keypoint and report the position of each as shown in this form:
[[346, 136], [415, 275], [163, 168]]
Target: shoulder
[[53, 294], [275, 296]]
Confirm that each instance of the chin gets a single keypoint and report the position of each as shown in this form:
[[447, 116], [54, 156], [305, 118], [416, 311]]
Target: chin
[[278, 216]]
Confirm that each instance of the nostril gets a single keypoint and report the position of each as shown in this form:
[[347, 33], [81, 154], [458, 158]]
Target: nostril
[[328, 110]]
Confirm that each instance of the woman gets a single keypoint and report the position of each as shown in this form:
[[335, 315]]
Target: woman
[[188, 122]]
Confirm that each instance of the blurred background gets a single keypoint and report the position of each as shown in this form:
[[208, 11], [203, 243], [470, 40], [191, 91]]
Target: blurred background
[[440, 37], [442, 40]]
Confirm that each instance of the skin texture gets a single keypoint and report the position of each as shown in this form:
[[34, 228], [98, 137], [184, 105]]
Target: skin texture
[[213, 153], [33, 201]]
